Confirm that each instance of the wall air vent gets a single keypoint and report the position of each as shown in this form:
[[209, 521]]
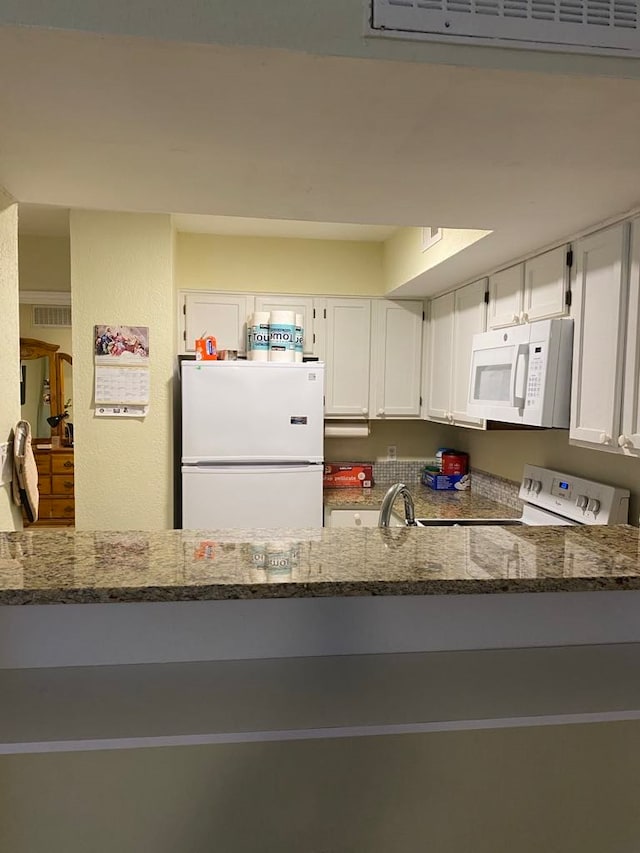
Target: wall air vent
[[430, 236], [51, 315], [580, 26]]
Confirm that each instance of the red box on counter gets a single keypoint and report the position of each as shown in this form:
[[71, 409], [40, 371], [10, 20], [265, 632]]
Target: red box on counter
[[348, 476]]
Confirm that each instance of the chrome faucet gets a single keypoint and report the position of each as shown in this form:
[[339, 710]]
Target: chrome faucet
[[389, 500]]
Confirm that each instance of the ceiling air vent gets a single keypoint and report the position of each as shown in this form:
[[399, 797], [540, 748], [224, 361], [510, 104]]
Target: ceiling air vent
[[51, 315], [582, 26]]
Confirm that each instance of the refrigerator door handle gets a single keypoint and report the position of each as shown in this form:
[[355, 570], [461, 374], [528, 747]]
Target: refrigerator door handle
[[249, 465], [252, 468]]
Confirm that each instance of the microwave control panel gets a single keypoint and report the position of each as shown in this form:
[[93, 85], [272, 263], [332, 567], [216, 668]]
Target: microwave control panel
[[535, 374]]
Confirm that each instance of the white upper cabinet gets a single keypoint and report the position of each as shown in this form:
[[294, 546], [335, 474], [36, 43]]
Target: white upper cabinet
[[629, 439], [437, 370], [396, 358], [546, 281], [453, 321], [223, 315], [534, 290], [506, 294], [299, 305], [469, 318], [346, 351], [599, 309]]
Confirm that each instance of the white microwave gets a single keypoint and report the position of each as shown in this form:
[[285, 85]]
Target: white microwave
[[522, 374]]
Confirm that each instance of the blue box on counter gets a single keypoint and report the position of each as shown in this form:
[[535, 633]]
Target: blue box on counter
[[445, 482]]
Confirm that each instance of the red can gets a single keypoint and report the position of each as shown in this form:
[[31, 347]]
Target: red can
[[454, 462]]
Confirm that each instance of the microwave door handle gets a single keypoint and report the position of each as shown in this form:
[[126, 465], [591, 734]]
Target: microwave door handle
[[521, 358]]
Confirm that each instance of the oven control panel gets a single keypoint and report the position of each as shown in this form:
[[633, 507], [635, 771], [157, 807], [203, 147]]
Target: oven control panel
[[574, 498]]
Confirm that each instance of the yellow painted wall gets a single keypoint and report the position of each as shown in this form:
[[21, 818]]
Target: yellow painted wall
[[121, 273], [44, 262], [10, 518], [412, 439], [505, 453], [404, 260], [278, 265]]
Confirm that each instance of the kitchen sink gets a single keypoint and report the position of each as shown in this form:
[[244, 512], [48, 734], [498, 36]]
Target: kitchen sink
[[467, 522]]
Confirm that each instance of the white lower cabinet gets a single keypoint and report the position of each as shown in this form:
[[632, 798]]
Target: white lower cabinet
[[600, 300], [453, 321], [396, 358], [357, 518]]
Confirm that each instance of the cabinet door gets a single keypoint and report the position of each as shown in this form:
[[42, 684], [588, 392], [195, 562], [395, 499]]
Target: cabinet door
[[346, 352], [438, 367], [629, 439], [299, 305], [599, 297], [223, 315], [469, 318], [505, 297], [545, 285], [396, 356]]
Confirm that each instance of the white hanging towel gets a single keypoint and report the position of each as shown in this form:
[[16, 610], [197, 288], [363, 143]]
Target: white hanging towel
[[25, 472]]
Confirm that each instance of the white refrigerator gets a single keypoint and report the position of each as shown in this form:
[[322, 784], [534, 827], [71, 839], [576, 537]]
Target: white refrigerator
[[252, 444]]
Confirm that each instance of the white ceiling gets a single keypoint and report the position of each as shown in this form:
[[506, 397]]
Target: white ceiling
[[131, 124], [48, 220]]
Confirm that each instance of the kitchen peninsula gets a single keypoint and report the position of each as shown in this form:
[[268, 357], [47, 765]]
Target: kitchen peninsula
[[117, 640]]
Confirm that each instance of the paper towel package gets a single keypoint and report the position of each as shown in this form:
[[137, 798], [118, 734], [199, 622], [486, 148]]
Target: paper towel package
[[348, 476]]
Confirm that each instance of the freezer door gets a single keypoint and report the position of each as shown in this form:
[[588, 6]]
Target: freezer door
[[252, 412], [251, 496]]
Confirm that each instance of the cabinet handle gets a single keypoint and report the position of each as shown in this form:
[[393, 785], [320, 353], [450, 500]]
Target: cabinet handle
[[364, 411], [68, 464], [524, 317], [381, 411], [357, 518], [516, 318], [624, 441], [68, 484], [605, 438]]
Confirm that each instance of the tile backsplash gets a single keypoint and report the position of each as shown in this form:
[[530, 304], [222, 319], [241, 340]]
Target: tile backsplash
[[487, 485], [400, 470], [496, 488]]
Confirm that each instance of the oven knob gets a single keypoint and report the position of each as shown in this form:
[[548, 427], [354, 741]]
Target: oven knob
[[594, 506], [536, 485], [526, 483], [582, 501]]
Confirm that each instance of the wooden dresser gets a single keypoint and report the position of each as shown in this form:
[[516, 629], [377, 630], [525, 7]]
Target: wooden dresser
[[56, 485]]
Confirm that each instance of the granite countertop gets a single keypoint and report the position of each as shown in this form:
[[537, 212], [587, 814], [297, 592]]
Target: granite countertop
[[65, 566], [428, 503]]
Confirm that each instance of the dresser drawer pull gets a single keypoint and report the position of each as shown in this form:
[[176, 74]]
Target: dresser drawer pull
[[68, 484], [68, 464]]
